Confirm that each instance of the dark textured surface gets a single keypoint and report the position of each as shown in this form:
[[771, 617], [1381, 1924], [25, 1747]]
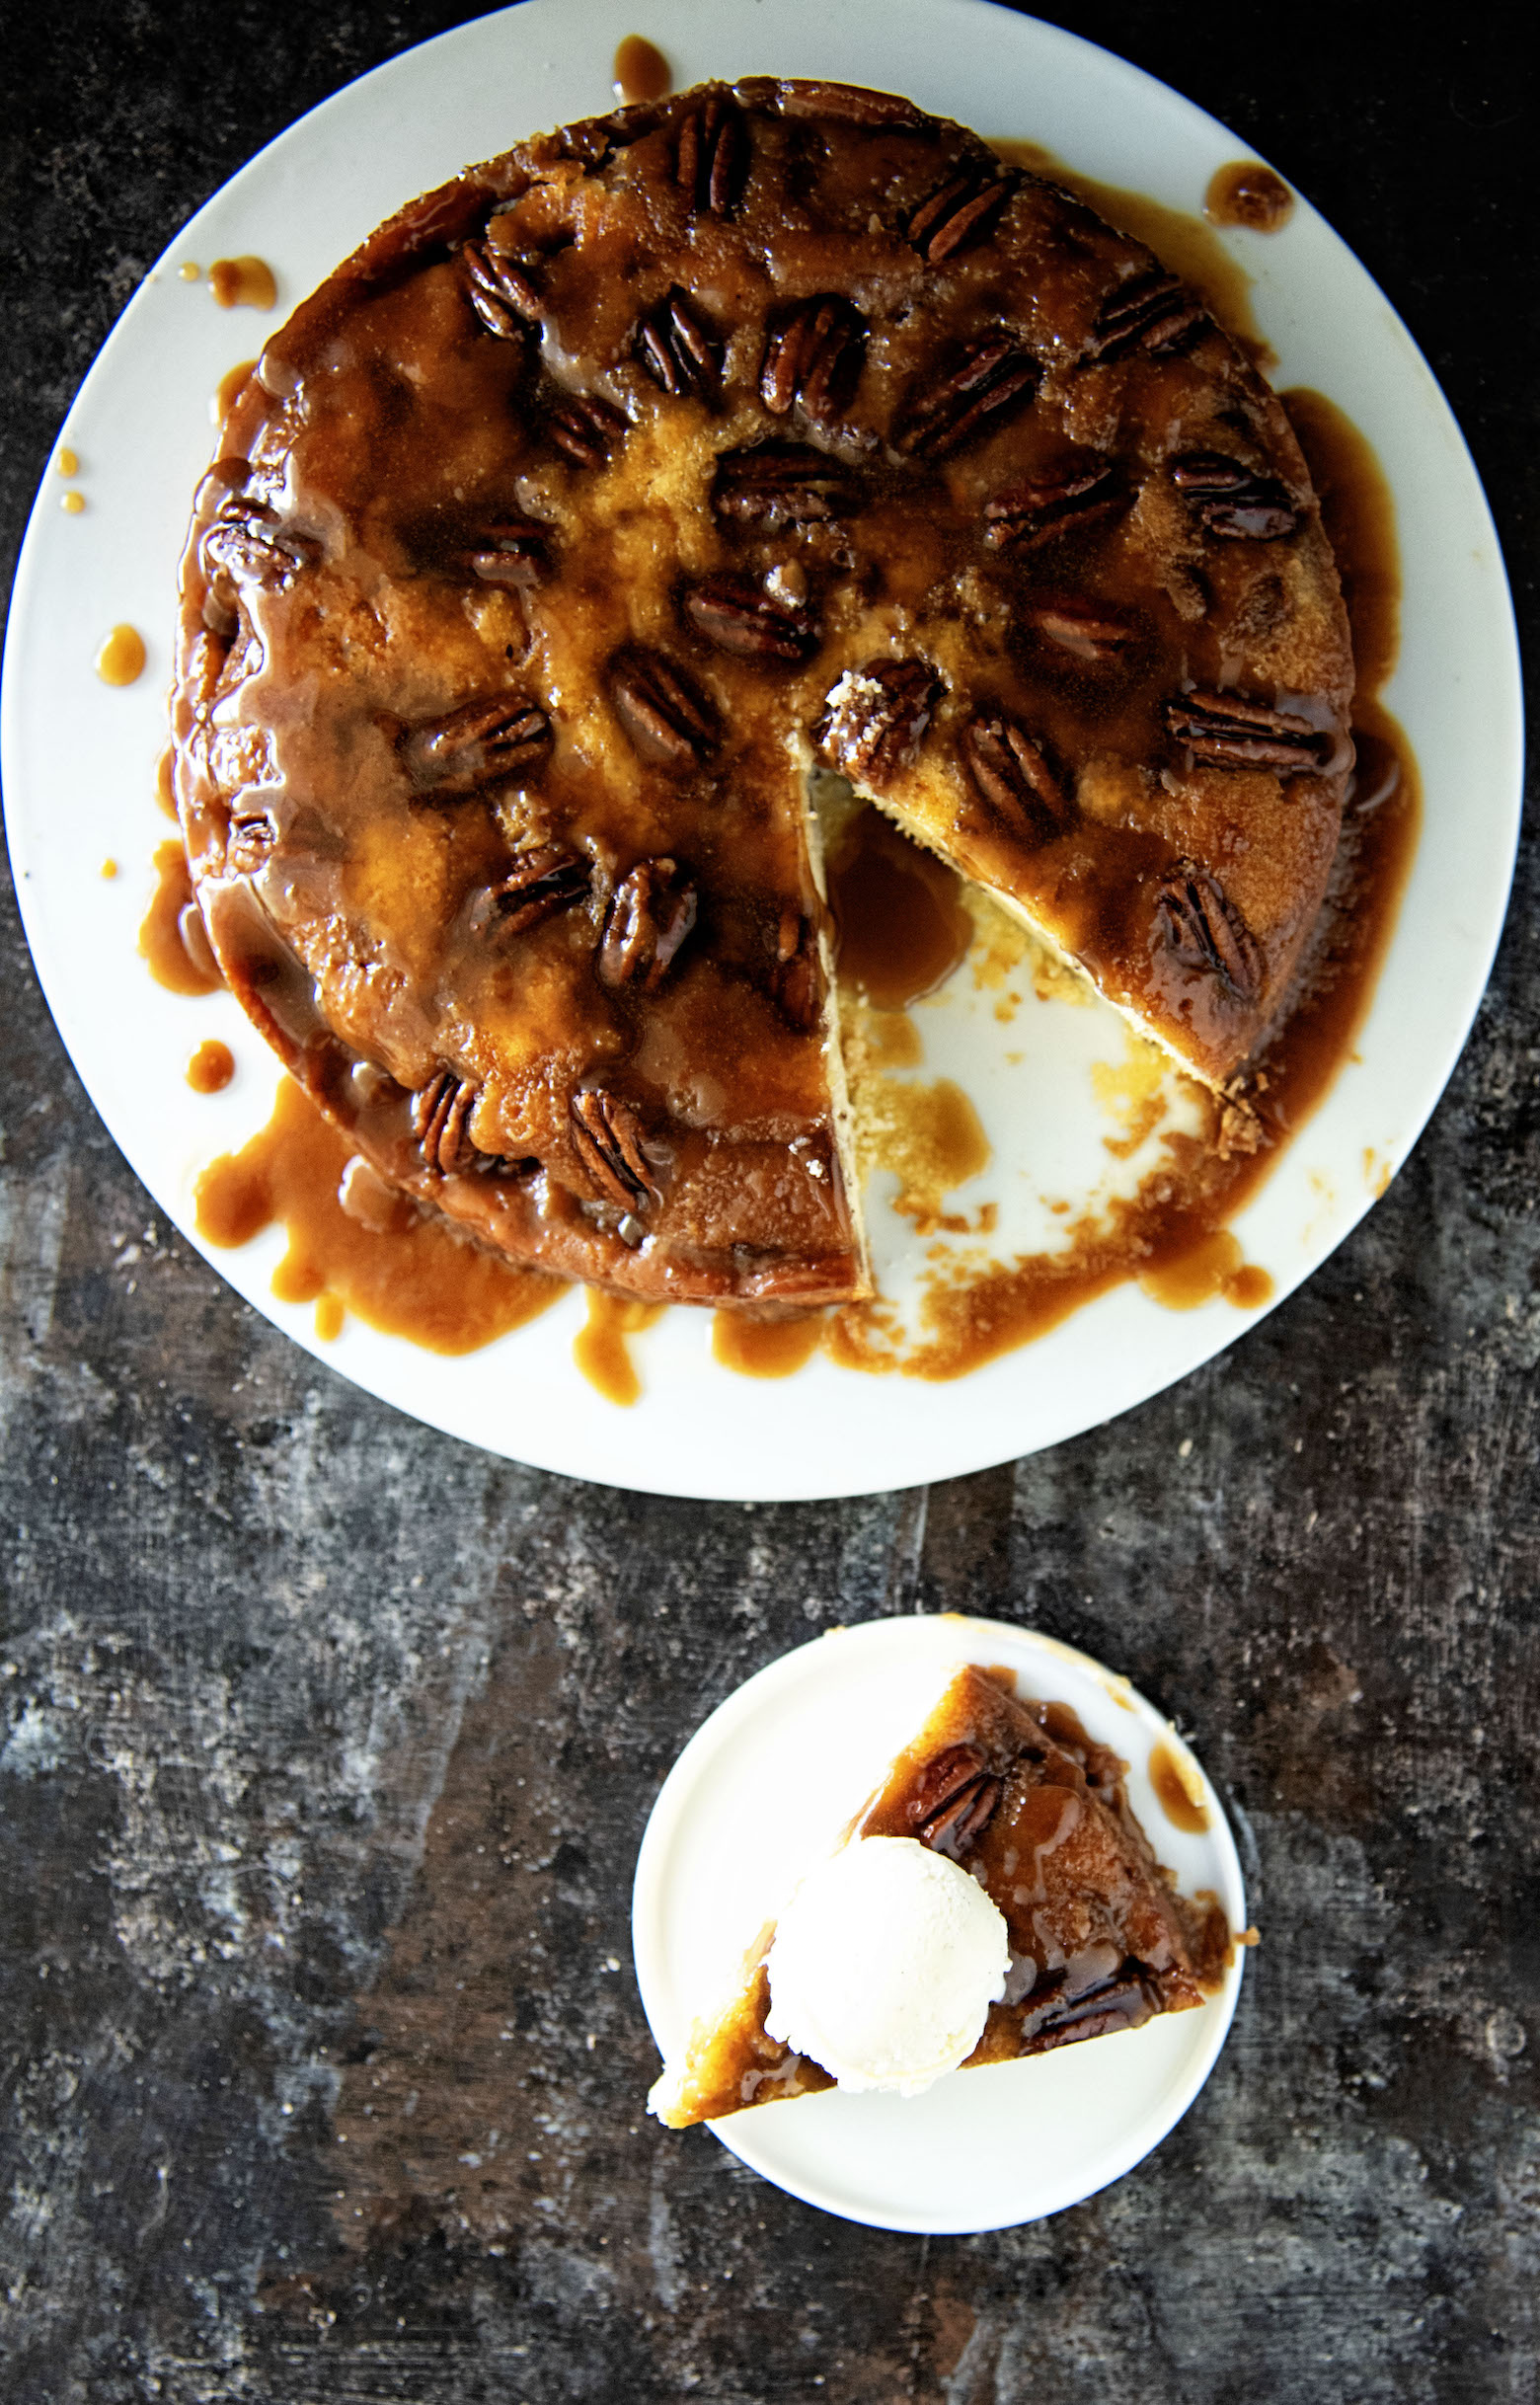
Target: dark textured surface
[[276, 1662]]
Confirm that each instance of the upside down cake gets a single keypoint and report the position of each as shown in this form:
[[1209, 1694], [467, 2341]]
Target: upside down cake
[[601, 494], [1034, 1810]]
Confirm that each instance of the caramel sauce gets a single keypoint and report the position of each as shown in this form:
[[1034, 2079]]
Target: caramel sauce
[[189, 271], [600, 1349], [165, 782], [641, 71], [211, 1068], [1247, 193], [411, 1276], [903, 925], [1213, 1267], [1184, 242], [766, 1348], [109, 867], [246, 283], [229, 389], [929, 1135], [121, 657], [72, 503], [173, 938], [1182, 1808], [66, 463]]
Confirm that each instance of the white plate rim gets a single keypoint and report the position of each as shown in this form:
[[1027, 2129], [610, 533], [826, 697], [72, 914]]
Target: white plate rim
[[1038, 1660], [746, 1444]]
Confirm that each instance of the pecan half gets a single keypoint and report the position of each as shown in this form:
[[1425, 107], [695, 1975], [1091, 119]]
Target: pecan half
[[737, 615], [1226, 730], [1234, 502], [667, 720], [954, 1801], [1151, 311], [502, 294], [995, 380], [876, 717], [960, 210], [678, 349], [1090, 629], [539, 883], [1028, 514], [500, 736], [850, 103], [653, 913], [514, 551], [711, 162], [607, 1135], [439, 1114], [797, 980], [782, 484], [1010, 771], [812, 358], [1201, 926], [584, 426], [249, 543]]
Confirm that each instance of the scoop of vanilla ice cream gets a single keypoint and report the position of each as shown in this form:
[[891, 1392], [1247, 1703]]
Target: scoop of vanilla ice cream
[[884, 1965]]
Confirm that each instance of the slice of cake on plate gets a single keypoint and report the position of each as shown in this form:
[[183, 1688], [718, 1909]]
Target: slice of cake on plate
[[994, 1899]]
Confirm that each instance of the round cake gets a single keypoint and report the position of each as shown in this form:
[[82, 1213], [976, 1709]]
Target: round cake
[[602, 495]]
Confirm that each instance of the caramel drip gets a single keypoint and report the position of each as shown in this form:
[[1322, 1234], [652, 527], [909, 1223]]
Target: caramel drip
[[601, 1347], [1247, 193], [766, 1348], [1182, 1808], [229, 389], [246, 283], [121, 657], [412, 1278], [211, 1068], [641, 71], [173, 938]]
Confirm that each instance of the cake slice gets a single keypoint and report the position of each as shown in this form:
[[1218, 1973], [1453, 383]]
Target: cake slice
[[1020, 1798]]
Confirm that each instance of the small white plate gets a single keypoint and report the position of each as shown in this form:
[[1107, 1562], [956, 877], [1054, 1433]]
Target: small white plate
[[79, 758], [764, 1788]]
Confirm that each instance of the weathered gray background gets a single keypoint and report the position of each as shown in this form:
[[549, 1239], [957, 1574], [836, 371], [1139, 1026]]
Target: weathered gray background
[[329, 1740]]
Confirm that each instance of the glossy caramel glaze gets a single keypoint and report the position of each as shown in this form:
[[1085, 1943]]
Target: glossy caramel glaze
[[355, 1244], [1035, 1810], [598, 485]]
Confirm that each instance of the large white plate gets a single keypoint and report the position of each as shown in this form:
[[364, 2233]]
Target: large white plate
[[763, 1790], [79, 757]]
